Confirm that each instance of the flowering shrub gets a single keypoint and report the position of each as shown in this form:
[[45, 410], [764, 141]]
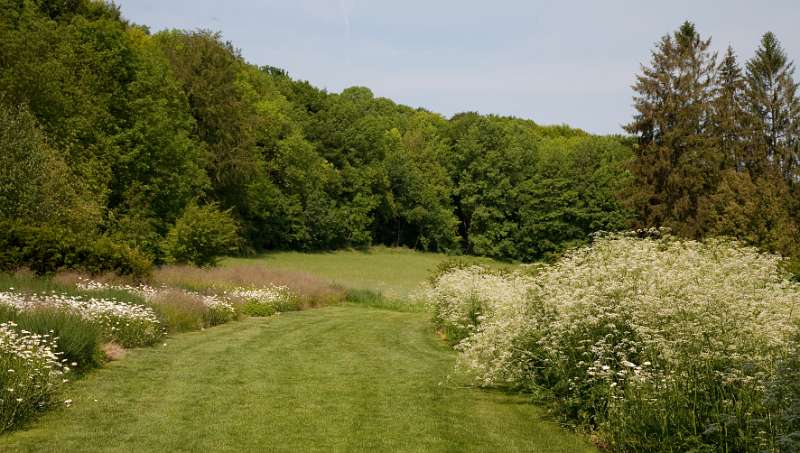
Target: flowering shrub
[[657, 343], [125, 324], [31, 372], [174, 304], [266, 301], [463, 296], [219, 309]]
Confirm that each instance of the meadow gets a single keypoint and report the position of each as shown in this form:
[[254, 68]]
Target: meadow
[[201, 252], [301, 363], [640, 342]]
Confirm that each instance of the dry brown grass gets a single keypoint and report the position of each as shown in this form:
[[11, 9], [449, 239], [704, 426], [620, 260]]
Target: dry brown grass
[[311, 290], [180, 311], [113, 351], [71, 278]]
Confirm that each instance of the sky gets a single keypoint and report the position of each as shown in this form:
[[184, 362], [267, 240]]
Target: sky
[[555, 62]]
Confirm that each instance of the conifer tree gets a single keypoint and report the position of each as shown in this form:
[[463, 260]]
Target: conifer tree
[[731, 122], [676, 163], [773, 101]]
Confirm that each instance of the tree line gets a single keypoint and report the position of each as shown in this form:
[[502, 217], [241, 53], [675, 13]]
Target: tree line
[[165, 144]]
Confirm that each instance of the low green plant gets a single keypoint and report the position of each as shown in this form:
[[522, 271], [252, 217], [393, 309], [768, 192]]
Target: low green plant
[[783, 401], [258, 310], [182, 311], [222, 313]]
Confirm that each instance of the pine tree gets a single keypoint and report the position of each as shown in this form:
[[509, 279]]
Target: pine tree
[[773, 101], [676, 163]]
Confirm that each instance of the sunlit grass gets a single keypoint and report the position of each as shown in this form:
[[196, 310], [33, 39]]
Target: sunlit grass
[[344, 378], [393, 272]]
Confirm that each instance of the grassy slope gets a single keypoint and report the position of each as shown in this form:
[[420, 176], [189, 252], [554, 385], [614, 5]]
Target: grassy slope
[[337, 379], [395, 272]]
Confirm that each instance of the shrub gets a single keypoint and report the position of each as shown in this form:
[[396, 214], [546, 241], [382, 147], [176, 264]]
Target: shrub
[[46, 250], [464, 295], [256, 309], [200, 235], [656, 343], [30, 374]]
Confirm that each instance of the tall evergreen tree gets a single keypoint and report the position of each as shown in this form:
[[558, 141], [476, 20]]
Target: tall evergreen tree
[[676, 164], [773, 101], [731, 120]]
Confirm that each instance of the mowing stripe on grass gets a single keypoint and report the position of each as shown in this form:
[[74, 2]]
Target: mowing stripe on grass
[[342, 379]]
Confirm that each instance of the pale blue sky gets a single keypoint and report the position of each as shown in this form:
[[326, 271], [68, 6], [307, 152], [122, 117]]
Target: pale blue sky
[[551, 61]]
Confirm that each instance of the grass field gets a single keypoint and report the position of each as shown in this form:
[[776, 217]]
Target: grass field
[[394, 272], [341, 379]]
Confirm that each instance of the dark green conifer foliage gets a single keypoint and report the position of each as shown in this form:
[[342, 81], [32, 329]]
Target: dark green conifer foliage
[[677, 163], [773, 102]]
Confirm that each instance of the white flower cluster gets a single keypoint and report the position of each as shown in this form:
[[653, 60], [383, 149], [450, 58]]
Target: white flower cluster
[[215, 302], [144, 291], [149, 293], [269, 295], [93, 309], [130, 324], [30, 371], [627, 309], [39, 351], [489, 310]]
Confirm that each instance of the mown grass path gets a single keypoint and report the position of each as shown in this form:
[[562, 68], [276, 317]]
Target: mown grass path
[[343, 379]]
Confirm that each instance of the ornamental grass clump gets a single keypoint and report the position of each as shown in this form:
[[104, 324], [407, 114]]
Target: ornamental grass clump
[[126, 324], [31, 372], [655, 343]]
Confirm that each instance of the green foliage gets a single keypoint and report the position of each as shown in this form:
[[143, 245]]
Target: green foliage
[[525, 197], [111, 130], [201, 235], [676, 167], [46, 250], [258, 310], [36, 185], [783, 400]]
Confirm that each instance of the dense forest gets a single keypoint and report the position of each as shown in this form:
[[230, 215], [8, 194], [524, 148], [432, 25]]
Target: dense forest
[[120, 147]]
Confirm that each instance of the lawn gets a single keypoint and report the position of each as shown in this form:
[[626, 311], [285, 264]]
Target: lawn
[[344, 379], [395, 272]]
